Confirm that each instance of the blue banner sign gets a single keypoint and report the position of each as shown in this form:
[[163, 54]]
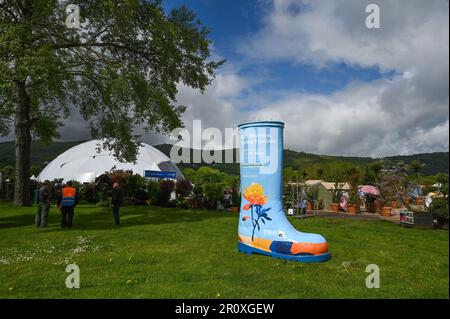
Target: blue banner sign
[[160, 174]]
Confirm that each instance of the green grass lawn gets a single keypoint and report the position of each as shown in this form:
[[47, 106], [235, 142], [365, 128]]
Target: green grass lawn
[[169, 253]]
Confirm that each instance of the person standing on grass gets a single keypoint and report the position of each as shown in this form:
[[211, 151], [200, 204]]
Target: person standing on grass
[[116, 201], [43, 199], [67, 201]]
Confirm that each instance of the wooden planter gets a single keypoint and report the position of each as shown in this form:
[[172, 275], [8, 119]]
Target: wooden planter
[[334, 207], [352, 209], [386, 211], [235, 209], [395, 204], [309, 206]]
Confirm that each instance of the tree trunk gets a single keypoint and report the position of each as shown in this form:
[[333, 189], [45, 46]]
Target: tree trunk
[[23, 144]]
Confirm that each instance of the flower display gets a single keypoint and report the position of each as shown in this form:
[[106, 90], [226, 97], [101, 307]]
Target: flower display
[[254, 194]]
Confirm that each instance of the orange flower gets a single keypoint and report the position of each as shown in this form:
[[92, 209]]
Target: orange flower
[[255, 195]]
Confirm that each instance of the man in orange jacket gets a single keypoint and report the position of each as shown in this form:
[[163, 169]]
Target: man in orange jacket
[[66, 203]]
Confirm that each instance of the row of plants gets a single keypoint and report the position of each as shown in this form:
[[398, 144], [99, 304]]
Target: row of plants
[[395, 184]]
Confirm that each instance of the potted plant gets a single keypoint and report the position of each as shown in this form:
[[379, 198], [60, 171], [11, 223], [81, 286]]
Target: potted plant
[[439, 210], [312, 194], [336, 197], [353, 200], [288, 198], [386, 195]]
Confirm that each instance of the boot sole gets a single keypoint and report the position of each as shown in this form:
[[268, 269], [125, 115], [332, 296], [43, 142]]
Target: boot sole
[[243, 248]]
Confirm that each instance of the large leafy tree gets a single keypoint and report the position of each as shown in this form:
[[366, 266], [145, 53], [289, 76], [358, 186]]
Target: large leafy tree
[[120, 70]]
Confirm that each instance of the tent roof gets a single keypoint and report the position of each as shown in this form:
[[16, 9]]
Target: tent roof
[[330, 185], [312, 182], [83, 163]]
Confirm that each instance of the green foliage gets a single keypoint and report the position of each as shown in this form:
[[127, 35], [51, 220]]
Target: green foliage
[[7, 172], [121, 71], [290, 175], [207, 175], [439, 209], [89, 193], [135, 182], [324, 168], [288, 196], [198, 196], [213, 193], [354, 179], [375, 169], [153, 192], [166, 188], [319, 172], [104, 203], [182, 202], [416, 166], [312, 193], [35, 170], [443, 180], [176, 245], [337, 192], [183, 188], [369, 177]]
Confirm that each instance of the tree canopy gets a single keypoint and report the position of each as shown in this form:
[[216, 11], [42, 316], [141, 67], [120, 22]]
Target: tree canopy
[[119, 70]]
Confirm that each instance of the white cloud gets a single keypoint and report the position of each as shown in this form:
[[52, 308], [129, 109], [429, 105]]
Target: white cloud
[[404, 115]]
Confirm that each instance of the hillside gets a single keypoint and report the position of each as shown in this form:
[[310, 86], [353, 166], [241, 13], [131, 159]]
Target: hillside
[[40, 153], [434, 162]]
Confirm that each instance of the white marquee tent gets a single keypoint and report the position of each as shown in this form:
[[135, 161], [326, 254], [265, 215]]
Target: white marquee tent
[[83, 163]]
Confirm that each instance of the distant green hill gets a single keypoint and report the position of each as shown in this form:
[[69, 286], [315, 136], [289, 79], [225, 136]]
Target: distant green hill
[[40, 153], [434, 162]]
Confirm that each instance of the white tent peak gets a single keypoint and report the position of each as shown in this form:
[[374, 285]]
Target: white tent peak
[[83, 163]]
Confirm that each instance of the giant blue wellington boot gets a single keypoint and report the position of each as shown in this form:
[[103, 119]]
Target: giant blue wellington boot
[[263, 226]]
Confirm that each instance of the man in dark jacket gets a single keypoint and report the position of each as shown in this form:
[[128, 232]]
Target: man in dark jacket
[[43, 200], [116, 201]]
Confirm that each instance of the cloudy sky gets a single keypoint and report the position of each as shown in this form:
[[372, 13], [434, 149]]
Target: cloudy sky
[[341, 88]]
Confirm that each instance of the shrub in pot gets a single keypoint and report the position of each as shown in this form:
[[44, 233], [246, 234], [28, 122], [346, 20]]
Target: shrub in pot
[[384, 208], [387, 191], [353, 200], [336, 197], [439, 210], [312, 193]]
